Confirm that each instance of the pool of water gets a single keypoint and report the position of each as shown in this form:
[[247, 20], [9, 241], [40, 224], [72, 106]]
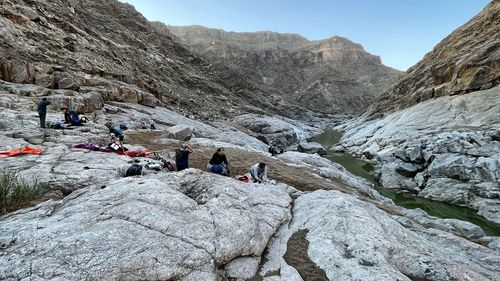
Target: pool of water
[[404, 199]]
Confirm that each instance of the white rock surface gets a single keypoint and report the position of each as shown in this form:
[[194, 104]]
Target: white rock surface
[[169, 226], [448, 146], [348, 244]]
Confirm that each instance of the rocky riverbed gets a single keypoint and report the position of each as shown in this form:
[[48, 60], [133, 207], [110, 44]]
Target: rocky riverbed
[[450, 155]]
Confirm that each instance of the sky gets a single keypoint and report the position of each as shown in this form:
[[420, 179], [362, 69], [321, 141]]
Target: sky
[[401, 32]]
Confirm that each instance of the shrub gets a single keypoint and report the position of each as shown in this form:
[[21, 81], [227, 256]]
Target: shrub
[[16, 192]]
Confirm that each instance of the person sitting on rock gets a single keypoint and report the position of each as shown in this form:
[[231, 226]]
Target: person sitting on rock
[[182, 157], [218, 164], [42, 111], [74, 118], [116, 132], [67, 117], [259, 173]]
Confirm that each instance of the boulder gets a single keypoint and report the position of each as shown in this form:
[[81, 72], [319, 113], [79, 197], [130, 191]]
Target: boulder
[[44, 80], [409, 185], [407, 169], [311, 148], [447, 190], [451, 166], [17, 71], [414, 152], [338, 148], [179, 132], [65, 81]]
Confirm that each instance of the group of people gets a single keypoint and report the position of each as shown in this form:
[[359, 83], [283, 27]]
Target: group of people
[[71, 116], [218, 163]]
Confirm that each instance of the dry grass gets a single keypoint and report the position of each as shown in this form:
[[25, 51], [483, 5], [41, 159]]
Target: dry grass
[[17, 192]]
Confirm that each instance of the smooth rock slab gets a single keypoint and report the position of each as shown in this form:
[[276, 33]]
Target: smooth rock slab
[[353, 240], [170, 226]]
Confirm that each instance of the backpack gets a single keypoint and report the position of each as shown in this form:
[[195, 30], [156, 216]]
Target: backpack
[[134, 170]]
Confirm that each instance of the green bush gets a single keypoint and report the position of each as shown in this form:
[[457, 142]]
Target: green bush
[[17, 192]]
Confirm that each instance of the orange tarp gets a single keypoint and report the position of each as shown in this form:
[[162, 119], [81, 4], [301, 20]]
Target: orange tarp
[[15, 151]]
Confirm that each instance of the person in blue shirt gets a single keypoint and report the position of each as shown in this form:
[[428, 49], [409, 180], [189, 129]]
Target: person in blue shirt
[[116, 132], [42, 111], [182, 157]]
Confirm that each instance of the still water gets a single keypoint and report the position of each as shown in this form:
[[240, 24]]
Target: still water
[[404, 199]]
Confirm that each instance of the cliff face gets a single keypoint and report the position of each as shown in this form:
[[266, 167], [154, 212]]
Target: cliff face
[[86, 46], [467, 60], [333, 75]]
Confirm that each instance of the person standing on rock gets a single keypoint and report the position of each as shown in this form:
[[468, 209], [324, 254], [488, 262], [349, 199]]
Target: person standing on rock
[[218, 164], [259, 173], [42, 111], [182, 157]]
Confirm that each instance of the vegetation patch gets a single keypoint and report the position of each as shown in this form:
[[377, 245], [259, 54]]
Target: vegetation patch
[[17, 192]]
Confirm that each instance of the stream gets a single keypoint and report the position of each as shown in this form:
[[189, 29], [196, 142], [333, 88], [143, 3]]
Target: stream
[[404, 199]]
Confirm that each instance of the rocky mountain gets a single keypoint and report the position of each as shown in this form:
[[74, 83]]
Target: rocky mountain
[[85, 46], [68, 211], [333, 75], [466, 61], [436, 132]]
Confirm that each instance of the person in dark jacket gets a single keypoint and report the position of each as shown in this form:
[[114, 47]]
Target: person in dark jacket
[[42, 111], [182, 157], [218, 164], [67, 117]]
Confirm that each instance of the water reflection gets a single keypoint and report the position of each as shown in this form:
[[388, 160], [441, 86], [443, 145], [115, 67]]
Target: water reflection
[[435, 208]]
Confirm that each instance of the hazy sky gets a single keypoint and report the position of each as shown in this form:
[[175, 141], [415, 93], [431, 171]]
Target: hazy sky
[[400, 31]]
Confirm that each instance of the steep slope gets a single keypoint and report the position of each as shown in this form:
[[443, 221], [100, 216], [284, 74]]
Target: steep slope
[[436, 132], [333, 75], [467, 60], [75, 45]]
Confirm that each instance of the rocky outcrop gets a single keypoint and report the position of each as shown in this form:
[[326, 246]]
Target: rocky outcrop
[[311, 147], [333, 75], [281, 130], [443, 142], [445, 149], [171, 226], [347, 245], [107, 49], [467, 60]]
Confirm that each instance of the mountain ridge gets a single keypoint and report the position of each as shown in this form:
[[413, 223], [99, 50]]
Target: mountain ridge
[[334, 75]]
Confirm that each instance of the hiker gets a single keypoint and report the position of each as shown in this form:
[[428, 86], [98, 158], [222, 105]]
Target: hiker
[[259, 173], [218, 164], [67, 117], [116, 132], [74, 118], [42, 111], [182, 157]]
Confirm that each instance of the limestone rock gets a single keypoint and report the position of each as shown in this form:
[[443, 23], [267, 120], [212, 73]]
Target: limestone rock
[[311, 147], [463, 62], [179, 132], [167, 226], [17, 71], [333, 75], [394, 248]]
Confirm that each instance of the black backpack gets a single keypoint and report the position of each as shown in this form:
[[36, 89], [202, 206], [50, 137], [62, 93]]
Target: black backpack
[[134, 170]]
